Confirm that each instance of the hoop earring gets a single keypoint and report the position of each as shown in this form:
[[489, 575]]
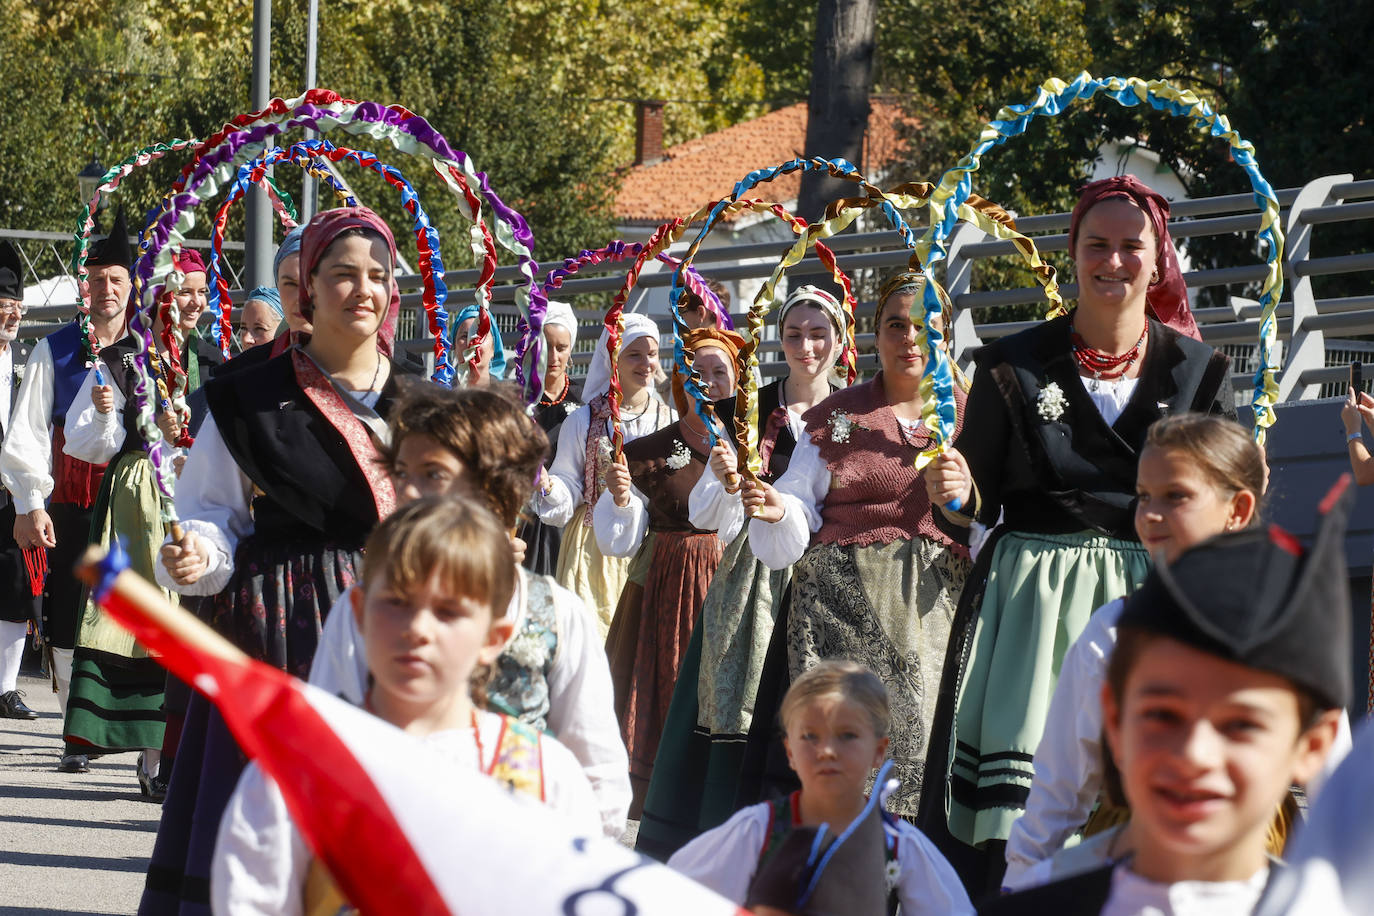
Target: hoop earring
[[1154, 277]]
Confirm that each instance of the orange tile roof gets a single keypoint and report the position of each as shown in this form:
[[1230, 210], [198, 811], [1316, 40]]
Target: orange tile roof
[[699, 171]]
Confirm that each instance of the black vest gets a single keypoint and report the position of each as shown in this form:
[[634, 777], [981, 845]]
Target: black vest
[[311, 486]]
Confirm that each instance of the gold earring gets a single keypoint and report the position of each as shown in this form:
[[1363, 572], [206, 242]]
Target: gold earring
[[1154, 278]]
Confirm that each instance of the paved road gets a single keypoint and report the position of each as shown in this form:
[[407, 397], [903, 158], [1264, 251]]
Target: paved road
[[69, 843]]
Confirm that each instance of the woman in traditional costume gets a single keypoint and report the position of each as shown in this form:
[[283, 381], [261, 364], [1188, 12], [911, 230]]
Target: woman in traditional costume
[[875, 580], [261, 317], [278, 495], [566, 494], [542, 541], [649, 493], [697, 771], [1055, 424], [491, 359], [117, 688]]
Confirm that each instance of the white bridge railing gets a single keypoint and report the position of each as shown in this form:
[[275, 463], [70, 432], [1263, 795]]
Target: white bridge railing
[[1311, 330]]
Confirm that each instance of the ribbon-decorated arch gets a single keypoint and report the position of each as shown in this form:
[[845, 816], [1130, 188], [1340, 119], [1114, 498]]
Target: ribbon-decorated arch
[[664, 237], [836, 168], [1054, 97], [434, 292], [839, 215]]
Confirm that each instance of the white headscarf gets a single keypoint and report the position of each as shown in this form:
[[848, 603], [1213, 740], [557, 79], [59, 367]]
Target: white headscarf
[[599, 373], [561, 314], [819, 298]]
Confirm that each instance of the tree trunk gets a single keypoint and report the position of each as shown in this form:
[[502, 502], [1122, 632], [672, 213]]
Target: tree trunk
[[841, 79]]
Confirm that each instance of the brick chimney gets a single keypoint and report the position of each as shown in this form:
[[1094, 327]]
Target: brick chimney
[[648, 132]]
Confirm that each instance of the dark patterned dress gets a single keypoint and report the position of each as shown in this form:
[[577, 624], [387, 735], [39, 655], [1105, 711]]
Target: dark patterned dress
[[318, 490]]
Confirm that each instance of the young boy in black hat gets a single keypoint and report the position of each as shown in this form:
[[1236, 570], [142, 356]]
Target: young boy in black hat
[[1231, 668]]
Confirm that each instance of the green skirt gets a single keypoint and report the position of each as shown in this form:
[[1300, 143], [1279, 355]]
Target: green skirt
[[117, 688], [1041, 589], [696, 772]]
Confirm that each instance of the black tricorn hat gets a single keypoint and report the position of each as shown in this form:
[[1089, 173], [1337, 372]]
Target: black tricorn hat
[[113, 249], [1255, 597], [11, 272]]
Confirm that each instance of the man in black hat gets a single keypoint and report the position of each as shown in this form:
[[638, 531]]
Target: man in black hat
[[33, 467], [18, 605]]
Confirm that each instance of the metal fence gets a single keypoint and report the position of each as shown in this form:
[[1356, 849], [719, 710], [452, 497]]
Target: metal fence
[[1314, 366]]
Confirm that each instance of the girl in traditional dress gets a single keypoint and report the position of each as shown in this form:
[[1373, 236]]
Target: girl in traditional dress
[[836, 717], [261, 317], [876, 580], [117, 688], [280, 491], [1055, 424], [566, 494], [697, 771], [542, 541], [649, 491], [553, 675], [437, 576]]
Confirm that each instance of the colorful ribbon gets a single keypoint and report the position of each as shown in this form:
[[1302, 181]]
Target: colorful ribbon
[[618, 250], [836, 168], [322, 111], [305, 154], [286, 211], [245, 137], [662, 238], [1052, 98]]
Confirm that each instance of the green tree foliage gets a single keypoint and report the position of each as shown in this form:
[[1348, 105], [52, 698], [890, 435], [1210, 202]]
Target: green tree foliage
[[1289, 76]]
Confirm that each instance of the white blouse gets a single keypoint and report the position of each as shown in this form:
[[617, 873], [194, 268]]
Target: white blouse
[[712, 508], [581, 710], [261, 861], [726, 858], [1110, 396], [1132, 895], [566, 474], [26, 457]]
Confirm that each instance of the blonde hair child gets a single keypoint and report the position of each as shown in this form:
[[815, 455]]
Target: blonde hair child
[[437, 576], [835, 718]]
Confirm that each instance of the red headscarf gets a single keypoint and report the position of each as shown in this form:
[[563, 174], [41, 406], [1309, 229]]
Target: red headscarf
[[188, 260], [321, 231], [1167, 297]]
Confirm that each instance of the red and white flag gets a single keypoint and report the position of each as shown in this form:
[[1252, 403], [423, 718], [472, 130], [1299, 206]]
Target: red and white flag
[[400, 829]]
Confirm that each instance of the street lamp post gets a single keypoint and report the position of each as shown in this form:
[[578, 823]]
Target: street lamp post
[[87, 181]]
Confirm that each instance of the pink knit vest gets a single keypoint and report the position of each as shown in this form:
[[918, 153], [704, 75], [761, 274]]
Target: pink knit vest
[[876, 494]]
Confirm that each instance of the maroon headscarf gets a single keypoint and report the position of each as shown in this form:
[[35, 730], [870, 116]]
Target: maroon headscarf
[[1167, 297], [322, 230], [188, 260]]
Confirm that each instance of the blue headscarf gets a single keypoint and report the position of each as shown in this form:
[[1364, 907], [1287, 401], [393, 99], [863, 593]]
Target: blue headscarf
[[269, 295], [289, 246], [498, 351]]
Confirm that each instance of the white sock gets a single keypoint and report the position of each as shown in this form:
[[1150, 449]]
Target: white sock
[[152, 759], [62, 664], [12, 636]]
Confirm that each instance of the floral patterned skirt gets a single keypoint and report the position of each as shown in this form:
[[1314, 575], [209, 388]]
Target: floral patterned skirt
[[886, 606], [273, 608]]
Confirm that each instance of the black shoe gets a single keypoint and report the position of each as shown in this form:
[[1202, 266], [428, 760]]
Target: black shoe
[[12, 707], [153, 788], [74, 763]]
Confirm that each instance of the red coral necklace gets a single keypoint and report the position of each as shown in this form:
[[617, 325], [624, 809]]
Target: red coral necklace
[[1105, 365]]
